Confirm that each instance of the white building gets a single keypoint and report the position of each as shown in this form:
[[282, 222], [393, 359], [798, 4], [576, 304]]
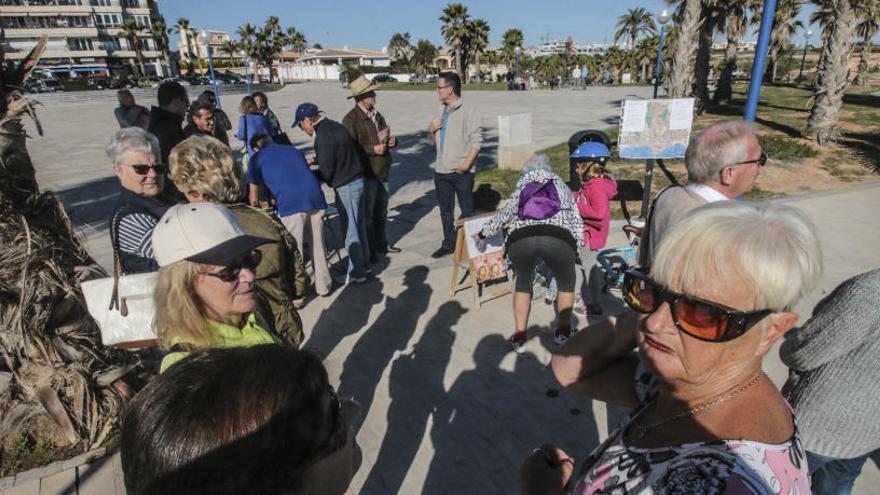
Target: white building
[[336, 56], [85, 36], [216, 39]]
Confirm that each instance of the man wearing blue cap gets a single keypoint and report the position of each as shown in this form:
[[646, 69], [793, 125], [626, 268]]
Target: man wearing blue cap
[[341, 168]]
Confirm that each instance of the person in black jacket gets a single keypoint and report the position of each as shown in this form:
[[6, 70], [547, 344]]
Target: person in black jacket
[[166, 123], [341, 168], [134, 152]]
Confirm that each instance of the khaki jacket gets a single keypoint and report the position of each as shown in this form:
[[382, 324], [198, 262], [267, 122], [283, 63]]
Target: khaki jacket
[[361, 128], [463, 133], [281, 276]]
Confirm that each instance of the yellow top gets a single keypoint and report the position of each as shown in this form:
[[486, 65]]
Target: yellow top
[[225, 336]]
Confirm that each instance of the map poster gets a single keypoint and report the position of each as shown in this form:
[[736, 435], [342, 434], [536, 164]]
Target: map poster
[[488, 264], [655, 128]]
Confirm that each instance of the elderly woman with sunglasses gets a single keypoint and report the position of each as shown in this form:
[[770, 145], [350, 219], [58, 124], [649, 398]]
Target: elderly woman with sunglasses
[[689, 361], [205, 292], [134, 153], [262, 419]]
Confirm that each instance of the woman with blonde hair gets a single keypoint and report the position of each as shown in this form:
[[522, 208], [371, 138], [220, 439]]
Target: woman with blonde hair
[[205, 292], [204, 170]]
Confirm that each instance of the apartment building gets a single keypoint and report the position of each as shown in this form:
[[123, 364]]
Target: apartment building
[[85, 36]]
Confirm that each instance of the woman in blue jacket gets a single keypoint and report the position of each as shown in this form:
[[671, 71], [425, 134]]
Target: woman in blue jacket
[[251, 123]]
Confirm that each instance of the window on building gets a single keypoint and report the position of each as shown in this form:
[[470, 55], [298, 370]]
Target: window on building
[[131, 4], [101, 3], [80, 44]]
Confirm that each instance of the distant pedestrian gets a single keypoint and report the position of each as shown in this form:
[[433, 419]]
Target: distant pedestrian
[[201, 117], [130, 114], [457, 135], [585, 74], [221, 121], [575, 76], [341, 168], [283, 170], [166, 120], [251, 123], [370, 131]]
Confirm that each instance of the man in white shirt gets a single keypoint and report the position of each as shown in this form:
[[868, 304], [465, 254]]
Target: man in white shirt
[[723, 162]]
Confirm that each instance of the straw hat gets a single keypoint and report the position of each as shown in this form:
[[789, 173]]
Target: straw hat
[[361, 85]]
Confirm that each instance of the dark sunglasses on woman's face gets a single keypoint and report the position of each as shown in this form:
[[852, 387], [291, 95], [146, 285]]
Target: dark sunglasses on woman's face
[[144, 169], [231, 271], [700, 319]]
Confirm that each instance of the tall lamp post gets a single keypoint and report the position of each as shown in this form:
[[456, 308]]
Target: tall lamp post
[[247, 77], [663, 18], [206, 39], [807, 36], [516, 52], [767, 14]]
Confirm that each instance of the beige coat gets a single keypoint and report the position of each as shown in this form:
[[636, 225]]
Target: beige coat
[[463, 133]]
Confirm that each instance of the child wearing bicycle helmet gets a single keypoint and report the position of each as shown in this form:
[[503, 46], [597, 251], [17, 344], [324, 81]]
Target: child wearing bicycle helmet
[[594, 205]]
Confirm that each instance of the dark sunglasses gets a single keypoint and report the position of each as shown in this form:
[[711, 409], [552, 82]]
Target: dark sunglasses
[[700, 319], [145, 169], [230, 272], [760, 161]]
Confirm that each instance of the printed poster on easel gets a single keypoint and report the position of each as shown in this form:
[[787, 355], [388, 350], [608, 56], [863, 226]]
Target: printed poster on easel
[[655, 129], [488, 264]]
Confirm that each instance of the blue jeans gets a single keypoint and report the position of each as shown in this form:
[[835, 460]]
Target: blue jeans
[[449, 186], [351, 196], [376, 214], [833, 476]]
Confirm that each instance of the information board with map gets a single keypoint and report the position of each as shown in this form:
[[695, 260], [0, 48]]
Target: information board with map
[[655, 128]]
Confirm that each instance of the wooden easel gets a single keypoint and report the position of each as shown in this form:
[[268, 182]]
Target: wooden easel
[[469, 280]]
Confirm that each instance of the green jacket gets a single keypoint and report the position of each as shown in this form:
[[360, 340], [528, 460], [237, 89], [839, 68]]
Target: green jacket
[[361, 128], [224, 336], [281, 276]]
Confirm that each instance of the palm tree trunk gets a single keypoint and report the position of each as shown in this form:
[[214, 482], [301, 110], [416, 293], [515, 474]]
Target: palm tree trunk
[[823, 125], [863, 63], [681, 75], [458, 64], [701, 72], [140, 56], [724, 92], [479, 73]]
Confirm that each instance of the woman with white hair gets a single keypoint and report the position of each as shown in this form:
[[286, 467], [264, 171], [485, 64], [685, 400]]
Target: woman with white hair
[[706, 419], [134, 153], [542, 223]]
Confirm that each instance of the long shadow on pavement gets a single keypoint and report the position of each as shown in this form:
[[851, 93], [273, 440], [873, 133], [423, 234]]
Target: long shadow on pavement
[[365, 364], [417, 391], [347, 315]]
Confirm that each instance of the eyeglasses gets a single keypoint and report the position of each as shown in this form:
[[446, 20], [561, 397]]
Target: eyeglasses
[[231, 272], [144, 169], [700, 319], [761, 161]]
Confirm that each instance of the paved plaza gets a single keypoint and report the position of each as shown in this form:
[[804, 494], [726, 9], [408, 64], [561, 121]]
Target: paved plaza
[[448, 408]]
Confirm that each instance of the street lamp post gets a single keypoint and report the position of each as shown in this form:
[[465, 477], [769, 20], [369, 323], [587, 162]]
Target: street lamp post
[[663, 18], [207, 40], [247, 77], [807, 36], [516, 52]]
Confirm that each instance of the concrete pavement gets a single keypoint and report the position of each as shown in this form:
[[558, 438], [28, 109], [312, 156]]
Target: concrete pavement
[[448, 407]]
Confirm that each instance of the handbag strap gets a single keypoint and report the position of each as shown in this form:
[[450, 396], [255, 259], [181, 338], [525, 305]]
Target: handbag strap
[[117, 258]]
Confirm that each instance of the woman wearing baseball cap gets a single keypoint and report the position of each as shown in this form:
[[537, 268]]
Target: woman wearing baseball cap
[[204, 295]]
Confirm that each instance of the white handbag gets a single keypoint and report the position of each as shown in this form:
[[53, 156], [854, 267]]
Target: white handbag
[[122, 305]]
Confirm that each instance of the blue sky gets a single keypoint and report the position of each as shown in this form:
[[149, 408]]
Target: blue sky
[[370, 23]]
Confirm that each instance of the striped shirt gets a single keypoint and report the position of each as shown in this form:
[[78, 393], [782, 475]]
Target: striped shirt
[[135, 234]]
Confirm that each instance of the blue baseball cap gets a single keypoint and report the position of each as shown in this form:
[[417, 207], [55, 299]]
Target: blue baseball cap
[[305, 110]]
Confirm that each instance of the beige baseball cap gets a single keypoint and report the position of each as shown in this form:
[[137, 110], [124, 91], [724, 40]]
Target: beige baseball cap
[[202, 233]]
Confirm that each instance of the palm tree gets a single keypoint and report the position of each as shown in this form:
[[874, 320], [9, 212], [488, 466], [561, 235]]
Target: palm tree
[[824, 16], [455, 31], [646, 53], [681, 73], [785, 23], [185, 31], [633, 23], [400, 48], [423, 56], [733, 22], [230, 47], [869, 24], [823, 124], [479, 36], [246, 34], [131, 30], [160, 32], [296, 40], [711, 17], [511, 39]]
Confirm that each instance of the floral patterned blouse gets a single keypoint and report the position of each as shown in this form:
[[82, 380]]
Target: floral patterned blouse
[[717, 467]]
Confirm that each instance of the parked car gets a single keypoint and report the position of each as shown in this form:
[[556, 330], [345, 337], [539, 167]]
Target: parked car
[[384, 78], [431, 78], [98, 83], [178, 80], [123, 82], [416, 79], [46, 86], [233, 78], [149, 82]]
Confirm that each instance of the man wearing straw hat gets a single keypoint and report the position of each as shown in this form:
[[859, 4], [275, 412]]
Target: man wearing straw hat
[[370, 131]]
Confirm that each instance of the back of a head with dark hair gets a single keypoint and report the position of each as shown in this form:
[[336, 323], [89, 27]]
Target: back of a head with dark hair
[[227, 421], [260, 140], [453, 79], [170, 91]]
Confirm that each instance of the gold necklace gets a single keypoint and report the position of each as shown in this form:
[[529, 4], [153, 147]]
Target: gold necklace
[[640, 431]]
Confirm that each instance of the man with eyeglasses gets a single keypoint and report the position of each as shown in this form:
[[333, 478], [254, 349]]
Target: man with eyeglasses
[[458, 136], [723, 162]]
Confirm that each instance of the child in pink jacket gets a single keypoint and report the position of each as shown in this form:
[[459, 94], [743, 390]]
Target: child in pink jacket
[[594, 205]]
